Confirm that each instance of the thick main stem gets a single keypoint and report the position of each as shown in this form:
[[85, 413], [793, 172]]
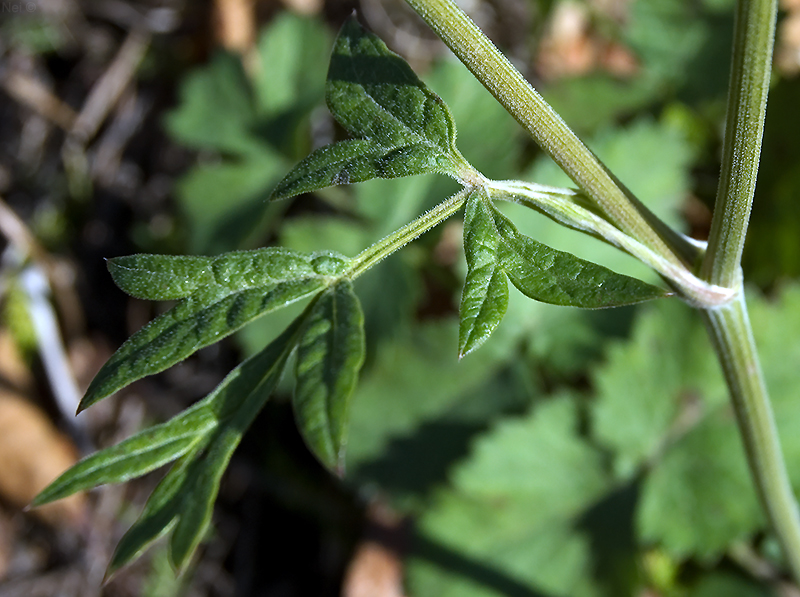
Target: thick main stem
[[522, 101], [751, 67], [728, 326], [732, 337]]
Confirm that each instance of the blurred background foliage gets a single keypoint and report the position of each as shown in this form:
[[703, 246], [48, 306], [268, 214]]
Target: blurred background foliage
[[578, 453]]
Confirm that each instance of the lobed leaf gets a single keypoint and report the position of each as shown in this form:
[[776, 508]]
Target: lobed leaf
[[694, 481], [235, 288], [184, 499], [401, 127], [484, 300], [513, 506], [329, 357]]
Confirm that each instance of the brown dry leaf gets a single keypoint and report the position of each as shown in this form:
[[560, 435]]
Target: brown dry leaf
[[571, 47], [33, 453], [235, 25], [6, 543], [787, 53], [375, 571], [13, 370], [567, 48], [304, 7]]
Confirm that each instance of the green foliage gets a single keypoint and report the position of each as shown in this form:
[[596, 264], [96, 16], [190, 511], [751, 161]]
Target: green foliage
[[485, 297], [496, 251], [202, 439], [256, 123], [559, 278], [329, 356], [401, 127], [513, 507], [509, 458], [537, 478], [233, 289]]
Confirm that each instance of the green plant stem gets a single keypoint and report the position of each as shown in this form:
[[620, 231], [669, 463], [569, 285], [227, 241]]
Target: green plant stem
[[729, 326], [732, 337], [401, 237], [522, 101], [747, 102]]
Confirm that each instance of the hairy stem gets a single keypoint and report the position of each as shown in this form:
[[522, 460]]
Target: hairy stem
[[732, 337], [401, 237], [522, 101], [729, 326], [747, 103]]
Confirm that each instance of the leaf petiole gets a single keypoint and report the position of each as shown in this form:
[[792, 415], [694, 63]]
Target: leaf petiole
[[401, 237]]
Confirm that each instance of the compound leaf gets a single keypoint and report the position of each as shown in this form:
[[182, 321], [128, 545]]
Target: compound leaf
[[329, 357], [401, 127], [241, 286], [484, 299], [185, 497]]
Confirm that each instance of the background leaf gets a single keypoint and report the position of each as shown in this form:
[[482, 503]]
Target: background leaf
[[258, 124], [512, 509]]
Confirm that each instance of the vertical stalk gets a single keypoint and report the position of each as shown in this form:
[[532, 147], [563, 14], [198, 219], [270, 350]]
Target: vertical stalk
[[510, 88], [751, 66], [732, 338], [729, 326]]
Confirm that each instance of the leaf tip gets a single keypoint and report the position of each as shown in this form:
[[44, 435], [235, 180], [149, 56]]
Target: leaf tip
[[111, 571]]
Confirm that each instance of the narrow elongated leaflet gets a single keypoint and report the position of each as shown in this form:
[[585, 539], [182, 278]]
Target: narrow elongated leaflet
[[233, 289], [134, 457], [484, 299], [401, 127], [160, 277], [329, 357], [496, 252], [185, 498], [550, 276], [358, 160]]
